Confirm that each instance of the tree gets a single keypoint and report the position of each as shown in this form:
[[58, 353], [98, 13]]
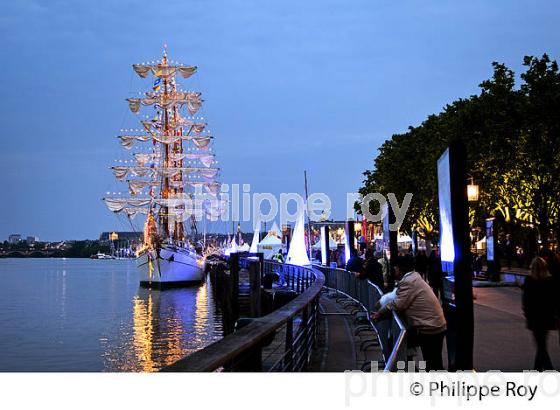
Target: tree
[[513, 149]]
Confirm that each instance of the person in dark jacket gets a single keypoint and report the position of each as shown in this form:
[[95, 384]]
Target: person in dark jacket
[[373, 271], [421, 263], [435, 275], [539, 303], [355, 263]]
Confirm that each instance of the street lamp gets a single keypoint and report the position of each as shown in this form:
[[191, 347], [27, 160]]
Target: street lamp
[[472, 191]]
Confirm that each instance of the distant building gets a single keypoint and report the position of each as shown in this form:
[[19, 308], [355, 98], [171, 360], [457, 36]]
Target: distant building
[[133, 238], [31, 240], [14, 238]]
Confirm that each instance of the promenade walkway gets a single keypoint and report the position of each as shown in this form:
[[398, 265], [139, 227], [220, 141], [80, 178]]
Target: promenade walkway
[[341, 344], [502, 342]]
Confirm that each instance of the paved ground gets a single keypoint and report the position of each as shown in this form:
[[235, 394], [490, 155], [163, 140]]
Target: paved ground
[[340, 348], [501, 339]]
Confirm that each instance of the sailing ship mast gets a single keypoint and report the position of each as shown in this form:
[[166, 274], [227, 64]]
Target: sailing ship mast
[[174, 177]]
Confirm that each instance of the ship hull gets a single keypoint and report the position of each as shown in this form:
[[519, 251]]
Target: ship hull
[[175, 267]]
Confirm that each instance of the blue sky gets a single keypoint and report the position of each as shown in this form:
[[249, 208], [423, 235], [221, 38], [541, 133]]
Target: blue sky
[[289, 85]]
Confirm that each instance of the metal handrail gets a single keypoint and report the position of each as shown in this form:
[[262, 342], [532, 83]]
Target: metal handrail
[[391, 334], [398, 352], [249, 339]]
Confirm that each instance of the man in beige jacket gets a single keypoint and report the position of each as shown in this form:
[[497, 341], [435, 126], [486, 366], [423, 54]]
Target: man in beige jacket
[[421, 309]]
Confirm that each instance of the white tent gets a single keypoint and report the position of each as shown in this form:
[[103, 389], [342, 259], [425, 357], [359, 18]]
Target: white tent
[[232, 248], [255, 241], [481, 244], [244, 248], [332, 244], [277, 231], [270, 245], [297, 254], [404, 239]]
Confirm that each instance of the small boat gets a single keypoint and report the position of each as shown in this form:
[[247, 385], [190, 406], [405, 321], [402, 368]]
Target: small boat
[[100, 255]]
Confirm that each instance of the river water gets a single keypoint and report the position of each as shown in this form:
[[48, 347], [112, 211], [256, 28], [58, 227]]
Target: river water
[[91, 315]]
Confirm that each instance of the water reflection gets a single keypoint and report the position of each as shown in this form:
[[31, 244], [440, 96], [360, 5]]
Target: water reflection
[[166, 326], [90, 315]]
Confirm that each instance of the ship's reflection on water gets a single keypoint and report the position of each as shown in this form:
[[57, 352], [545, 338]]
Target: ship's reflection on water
[[83, 315], [166, 326]]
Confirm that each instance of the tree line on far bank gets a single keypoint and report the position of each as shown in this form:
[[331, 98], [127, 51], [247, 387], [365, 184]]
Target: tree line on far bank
[[73, 249], [512, 137]]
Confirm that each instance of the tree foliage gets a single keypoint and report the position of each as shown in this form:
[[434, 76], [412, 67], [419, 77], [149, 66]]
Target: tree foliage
[[512, 137]]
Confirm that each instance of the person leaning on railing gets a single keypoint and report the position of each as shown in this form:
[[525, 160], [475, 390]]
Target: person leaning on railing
[[422, 312]]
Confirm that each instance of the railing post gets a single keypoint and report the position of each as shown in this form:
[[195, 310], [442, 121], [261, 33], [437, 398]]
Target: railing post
[[291, 276], [260, 255], [234, 276], [228, 317], [305, 338], [289, 347], [315, 321], [255, 289]]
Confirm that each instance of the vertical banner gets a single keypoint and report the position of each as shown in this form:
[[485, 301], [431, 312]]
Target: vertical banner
[[490, 239], [386, 232], [350, 239], [324, 246], [455, 255], [446, 239], [390, 246]]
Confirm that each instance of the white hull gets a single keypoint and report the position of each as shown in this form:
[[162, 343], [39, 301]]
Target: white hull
[[174, 267]]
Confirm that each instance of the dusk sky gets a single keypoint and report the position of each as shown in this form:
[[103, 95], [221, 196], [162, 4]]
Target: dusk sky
[[288, 85]]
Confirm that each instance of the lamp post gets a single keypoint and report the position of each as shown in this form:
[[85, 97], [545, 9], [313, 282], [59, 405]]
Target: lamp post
[[472, 191]]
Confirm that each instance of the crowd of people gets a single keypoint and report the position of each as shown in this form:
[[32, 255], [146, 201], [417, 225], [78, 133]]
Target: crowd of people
[[416, 291]]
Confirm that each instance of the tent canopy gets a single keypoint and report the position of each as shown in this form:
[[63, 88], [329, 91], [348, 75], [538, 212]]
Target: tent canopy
[[244, 248], [270, 245], [332, 244], [271, 239]]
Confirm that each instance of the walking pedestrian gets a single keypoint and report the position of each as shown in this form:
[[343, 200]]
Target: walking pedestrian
[[510, 250], [539, 305], [278, 257]]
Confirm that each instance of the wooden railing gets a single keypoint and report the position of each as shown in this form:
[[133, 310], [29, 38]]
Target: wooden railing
[[280, 341], [391, 333]]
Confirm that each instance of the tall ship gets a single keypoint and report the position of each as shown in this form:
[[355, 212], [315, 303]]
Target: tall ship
[[171, 176]]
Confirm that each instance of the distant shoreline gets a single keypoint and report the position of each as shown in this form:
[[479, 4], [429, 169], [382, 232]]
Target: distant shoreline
[[33, 256]]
